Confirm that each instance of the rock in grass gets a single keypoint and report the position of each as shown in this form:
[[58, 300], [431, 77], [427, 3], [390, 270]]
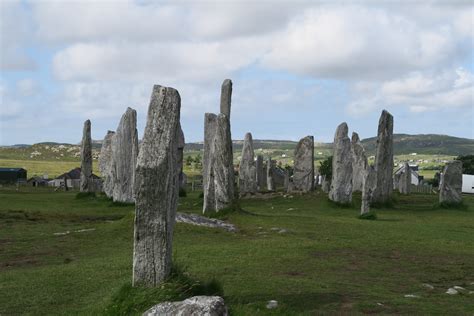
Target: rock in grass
[[125, 152], [156, 189], [86, 184], [303, 174], [247, 168], [451, 183], [452, 291], [341, 182], [194, 306], [272, 304], [384, 160], [106, 164]]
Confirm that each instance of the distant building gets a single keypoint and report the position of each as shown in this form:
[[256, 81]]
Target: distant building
[[73, 178], [467, 183], [37, 181], [12, 175], [415, 177]]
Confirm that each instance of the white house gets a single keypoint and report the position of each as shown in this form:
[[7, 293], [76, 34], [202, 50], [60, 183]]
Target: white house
[[414, 174], [467, 183]]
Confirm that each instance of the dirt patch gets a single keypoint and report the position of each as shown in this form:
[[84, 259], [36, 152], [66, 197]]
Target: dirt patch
[[19, 215]]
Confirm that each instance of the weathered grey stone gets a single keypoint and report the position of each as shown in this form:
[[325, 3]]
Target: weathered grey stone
[[341, 182], [224, 164], [226, 97], [218, 167], [325, 184], [106, 164], [197, 220], [87, 183], [261, 173], [450, 191], [183, 181], [194, 306], [156, 189], [368, 186], [404, 182], [125, 152], [303, 172], [384, 159], [208, 161], [286, 182], [247, 168], [359, 163], [270, 174]]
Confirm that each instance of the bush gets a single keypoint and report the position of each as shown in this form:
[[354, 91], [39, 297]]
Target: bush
[[325, 167]]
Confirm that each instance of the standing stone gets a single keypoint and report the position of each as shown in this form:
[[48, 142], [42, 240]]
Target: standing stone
[[125, 152], [226, 97], [404, 181], [218, 162], [208, 161], [303, 172], [270, 174], [326, 184], [384, 159], [156, 188], [87, 183], [451, 183], [224, 164], [286, 181], [247, 169], [359, 163], [261, 173], [368, 186], [181, 142], [106, 164], [341, 182]]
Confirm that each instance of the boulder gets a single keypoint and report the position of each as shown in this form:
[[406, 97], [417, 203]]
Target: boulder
[[450, 191], [384, 159], [194, 306], [87, 183], [359, 163], [106, 164], [156, 189], [125, 152], [303, 172], [247, 168], [341, 182]]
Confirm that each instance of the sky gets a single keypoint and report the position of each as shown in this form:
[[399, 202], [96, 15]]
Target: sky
[[298, 67]]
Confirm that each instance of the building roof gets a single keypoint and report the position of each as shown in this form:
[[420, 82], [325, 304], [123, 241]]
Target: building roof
[[11, 169], [74, 174]]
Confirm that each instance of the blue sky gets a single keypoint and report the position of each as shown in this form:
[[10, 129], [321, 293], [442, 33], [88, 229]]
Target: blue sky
[[299, 68]]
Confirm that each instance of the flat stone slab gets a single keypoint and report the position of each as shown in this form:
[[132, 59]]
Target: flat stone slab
[[197, 220], [194, 306]]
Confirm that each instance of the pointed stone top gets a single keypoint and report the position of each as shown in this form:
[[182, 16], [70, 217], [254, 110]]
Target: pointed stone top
[[355, 138], [342, 130], [87, 122], [110, 132], [248, 136], [226, 96]]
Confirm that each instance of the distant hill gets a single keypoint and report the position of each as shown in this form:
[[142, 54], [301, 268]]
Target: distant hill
[[403, 144], [429, 144]]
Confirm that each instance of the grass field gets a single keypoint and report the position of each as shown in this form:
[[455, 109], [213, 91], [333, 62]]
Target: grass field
[[41, 167], [60, 255]]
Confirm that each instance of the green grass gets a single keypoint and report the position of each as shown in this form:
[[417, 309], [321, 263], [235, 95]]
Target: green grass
[[50, 167], [309, 255]]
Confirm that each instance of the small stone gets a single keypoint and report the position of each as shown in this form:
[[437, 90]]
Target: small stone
[[428, 286], [197, 305], [272, 304], [452, 291], [282, 231], [411, 296]]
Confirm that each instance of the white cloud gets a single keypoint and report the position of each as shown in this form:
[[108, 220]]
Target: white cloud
[[27, 87], [419, 92]]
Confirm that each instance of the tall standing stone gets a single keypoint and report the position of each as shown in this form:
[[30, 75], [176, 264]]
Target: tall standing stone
[[87, 184], [359, 163], [247, 169], [226, 97], [261, 173], [125, 152], [106, 164], [404, 181], [341, 182], [270, 174], [224, 164], [368, 186], [384, 159], [181, 142], [156, 189], [218, 168], [303, 173], [208, 182], [450, 191]]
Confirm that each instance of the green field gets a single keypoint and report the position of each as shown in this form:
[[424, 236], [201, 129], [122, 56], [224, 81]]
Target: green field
[[325, 261], [41, 167]]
